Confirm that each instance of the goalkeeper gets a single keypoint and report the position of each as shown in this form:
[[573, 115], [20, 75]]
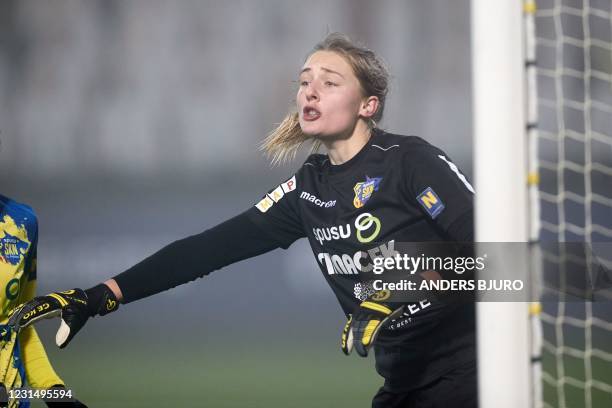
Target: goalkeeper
[[23, 361], [371, 190]]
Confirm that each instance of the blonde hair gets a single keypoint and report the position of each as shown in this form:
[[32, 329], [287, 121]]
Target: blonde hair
[[282, 144]]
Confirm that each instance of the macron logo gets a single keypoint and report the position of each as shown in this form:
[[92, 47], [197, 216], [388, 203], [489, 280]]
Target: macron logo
[[313, 199]]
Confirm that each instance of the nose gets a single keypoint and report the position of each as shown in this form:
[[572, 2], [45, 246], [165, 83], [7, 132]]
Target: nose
[[311, 93]]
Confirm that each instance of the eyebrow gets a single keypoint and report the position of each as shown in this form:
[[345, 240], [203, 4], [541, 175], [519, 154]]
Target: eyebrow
[[324, 69]]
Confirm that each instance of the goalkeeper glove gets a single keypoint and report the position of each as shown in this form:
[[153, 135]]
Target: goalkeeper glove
[[363, 325], [74, 306]]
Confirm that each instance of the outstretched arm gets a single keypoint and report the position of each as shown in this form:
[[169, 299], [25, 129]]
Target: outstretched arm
[[193, 257], [274, 222], [180, 262]]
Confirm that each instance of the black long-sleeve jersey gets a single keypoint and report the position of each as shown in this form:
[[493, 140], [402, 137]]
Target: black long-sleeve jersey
[[396, 189]]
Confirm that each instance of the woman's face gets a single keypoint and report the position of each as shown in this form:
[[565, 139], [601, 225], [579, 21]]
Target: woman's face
[[329, 98]]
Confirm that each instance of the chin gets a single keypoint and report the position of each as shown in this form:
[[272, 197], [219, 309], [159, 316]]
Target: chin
[[318, 135], [314, 130], [311, 133], [309, 130]]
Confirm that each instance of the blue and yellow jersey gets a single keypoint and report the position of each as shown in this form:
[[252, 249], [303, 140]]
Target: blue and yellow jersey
[[23, 360]]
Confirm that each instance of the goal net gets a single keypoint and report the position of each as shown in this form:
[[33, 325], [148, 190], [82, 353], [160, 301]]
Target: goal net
[[569, 93]]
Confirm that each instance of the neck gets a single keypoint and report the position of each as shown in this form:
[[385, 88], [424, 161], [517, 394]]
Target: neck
[[341, 150]]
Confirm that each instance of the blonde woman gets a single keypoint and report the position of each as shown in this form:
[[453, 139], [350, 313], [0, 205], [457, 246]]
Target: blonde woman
[[371, 190]]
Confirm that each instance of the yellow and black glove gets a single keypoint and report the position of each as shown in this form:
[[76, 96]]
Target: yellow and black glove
[[363, 325], [74, 306]]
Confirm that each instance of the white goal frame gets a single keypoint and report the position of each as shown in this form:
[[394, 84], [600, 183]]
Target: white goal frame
[[502, 201]]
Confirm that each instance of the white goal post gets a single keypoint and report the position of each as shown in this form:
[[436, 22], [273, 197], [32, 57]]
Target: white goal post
[[543, 138], [500, 175]]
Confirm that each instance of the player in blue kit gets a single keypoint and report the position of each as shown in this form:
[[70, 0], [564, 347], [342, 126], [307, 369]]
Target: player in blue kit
[[370, 192], [23, 361]]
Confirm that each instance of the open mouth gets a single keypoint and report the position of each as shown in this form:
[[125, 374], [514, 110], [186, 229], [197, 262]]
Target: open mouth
[[310, 114]]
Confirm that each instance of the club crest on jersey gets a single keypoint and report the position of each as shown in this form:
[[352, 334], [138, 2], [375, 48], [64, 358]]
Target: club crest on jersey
[[430, 201], [364, 189], [12, 248]]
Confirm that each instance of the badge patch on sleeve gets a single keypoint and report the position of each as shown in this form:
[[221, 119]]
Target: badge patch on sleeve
[[430, 201]]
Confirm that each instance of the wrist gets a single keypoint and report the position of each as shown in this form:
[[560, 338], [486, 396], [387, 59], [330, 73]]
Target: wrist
[[112, 284], [101, 300]]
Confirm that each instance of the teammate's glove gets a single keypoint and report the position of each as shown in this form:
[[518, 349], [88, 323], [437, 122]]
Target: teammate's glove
[[363, 325], [74, 306]]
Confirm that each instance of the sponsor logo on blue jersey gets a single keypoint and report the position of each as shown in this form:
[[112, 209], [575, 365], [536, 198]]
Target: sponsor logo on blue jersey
[[430, 201], [364, 189], [12, 248]]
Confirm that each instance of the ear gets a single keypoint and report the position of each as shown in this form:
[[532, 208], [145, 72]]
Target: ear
[[369, 106]]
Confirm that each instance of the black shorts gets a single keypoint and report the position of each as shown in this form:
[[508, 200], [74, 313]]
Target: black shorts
[[457, 389]]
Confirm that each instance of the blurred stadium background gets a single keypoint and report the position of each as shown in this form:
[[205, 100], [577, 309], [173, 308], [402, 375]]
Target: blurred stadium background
[[129, 124]]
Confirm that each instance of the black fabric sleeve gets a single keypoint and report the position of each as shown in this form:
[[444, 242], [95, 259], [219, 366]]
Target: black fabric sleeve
[[441, 191], [462, 230], [278, 213], [193, 257]]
